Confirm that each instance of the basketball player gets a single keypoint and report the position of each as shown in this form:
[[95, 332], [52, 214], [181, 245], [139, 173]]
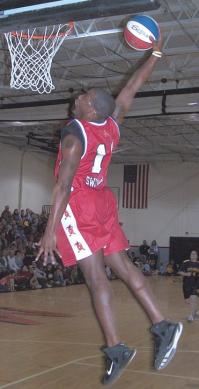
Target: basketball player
[[83, 224], [190, 273]]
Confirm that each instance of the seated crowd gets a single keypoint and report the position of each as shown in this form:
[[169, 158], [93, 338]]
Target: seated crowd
[[148, 260], [20, 233]]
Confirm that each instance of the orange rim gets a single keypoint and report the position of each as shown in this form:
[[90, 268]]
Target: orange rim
[[40, 37]]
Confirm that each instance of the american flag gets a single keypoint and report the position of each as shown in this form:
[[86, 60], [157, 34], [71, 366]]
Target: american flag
[[135, 186]]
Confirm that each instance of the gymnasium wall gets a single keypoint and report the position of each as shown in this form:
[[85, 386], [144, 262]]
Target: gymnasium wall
[[173, 203], [173, 206], [26, 178]]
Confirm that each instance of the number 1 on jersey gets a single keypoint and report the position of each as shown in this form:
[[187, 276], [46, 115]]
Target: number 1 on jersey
[[97, 165]]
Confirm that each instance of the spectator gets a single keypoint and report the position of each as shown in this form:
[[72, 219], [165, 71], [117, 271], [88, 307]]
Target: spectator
[[12, 265], [67, 275], [34, 283], [3, 240], [147, 268], [135, 260], [77, 275], [161, 269], [58, 276], [28, 216], [50, 274], [20, 245], [3, 264], [172, 269], [144, 249], [16, 215], [6, 214], [22, 214], [31, 240], [80, 276], [27, 227], [131, 253], [30, 254], [19, 256], [22, 279], [153, 255], [10, 233], [34, 223], [7, 283], [40, 275]]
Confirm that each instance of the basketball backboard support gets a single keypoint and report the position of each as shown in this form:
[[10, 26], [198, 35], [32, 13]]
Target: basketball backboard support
[[16, 15]]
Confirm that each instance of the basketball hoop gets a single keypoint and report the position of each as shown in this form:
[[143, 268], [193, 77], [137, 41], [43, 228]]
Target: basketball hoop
[[31, 56]]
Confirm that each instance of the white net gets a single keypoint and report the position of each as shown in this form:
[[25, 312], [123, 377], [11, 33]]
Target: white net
[[32, 54]]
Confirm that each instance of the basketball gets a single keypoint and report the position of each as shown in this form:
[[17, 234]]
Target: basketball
[[140, 32]]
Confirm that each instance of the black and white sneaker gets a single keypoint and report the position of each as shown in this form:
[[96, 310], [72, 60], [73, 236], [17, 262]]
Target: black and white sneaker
[[117, 358], [167, 335]]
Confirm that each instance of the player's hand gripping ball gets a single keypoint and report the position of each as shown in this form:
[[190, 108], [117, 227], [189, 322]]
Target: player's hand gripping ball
[[141, 31]]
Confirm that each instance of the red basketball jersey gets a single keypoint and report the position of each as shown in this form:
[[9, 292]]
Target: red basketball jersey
[[100, 139], [90, 221]]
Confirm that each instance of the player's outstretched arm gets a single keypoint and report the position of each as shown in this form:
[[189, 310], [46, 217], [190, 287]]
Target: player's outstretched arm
[[71, 153], [125, 98]]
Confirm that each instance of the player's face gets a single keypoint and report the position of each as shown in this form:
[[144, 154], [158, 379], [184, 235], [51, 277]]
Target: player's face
[[84, 105], [194, 256]]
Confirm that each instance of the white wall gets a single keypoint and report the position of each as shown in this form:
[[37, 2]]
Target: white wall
[[37, 180], [9, 176], [173, 206], [26, 178]]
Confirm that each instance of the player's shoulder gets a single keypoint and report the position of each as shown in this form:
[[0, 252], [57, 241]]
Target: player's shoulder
[[72, 126], [114, 125], [71, 122], [112, 120]]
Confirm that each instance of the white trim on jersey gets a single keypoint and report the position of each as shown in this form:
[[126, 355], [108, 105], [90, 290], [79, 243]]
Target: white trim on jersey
[[75, 238], [84, 135], [98, 124], [116, 125]]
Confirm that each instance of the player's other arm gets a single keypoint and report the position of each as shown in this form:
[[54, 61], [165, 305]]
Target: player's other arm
[[71, 153], [125, 98]]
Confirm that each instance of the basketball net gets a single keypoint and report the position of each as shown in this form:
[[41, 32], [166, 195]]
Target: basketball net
[[32, 54]]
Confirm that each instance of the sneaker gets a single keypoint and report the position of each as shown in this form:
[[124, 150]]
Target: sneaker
[[167, 335], [190, 318], [117, 358]]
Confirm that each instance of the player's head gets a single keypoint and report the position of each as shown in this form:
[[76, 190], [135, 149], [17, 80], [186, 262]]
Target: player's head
[[194, 255], [103, 103], [96, 104]]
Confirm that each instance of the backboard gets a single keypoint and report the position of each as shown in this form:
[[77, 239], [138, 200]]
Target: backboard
[[16, 15]]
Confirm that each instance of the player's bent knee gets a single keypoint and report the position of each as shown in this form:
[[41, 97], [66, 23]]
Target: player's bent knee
[[96, 283]]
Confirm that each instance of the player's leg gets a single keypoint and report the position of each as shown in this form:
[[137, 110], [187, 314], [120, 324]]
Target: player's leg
[[101, 295], [192, 306], [137, 283], [166, 333], [196, 314], [190, 298], [118, 354]]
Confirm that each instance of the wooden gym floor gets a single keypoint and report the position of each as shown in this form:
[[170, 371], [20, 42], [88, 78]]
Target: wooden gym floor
[[63, 352]]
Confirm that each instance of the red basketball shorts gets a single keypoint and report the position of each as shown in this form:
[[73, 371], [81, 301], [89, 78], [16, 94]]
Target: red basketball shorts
[[90, 223]]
